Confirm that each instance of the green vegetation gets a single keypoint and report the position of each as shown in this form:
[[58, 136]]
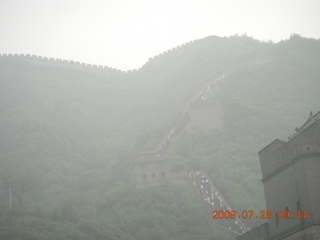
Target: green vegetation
[[68, 134], [164, 211]]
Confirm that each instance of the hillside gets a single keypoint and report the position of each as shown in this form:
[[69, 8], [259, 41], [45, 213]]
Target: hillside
[[70, 130]]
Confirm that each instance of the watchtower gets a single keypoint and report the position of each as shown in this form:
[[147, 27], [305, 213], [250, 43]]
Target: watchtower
[[206, 115], [291, 178], [152, 167]]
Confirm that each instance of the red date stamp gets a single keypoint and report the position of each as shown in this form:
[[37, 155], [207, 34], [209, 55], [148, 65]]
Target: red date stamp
[[249, 214]]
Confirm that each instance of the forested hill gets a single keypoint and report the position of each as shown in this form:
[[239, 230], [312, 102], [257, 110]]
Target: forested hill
[[68, 132]]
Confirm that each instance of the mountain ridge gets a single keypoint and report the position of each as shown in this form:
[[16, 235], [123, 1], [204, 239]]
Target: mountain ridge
[[74, 130]]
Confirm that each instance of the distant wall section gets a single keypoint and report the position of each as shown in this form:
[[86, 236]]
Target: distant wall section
[[207, 117], [47, 61], [152, 167], [94, 66]]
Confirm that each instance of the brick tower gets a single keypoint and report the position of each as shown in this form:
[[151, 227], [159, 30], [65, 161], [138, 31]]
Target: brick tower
[[291, 178]]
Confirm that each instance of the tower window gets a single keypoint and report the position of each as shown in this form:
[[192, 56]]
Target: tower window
[[144, 177], [153, 175], [298, 206], [308, 149]]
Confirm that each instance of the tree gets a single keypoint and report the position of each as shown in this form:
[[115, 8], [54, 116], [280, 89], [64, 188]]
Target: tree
[[20, 185]]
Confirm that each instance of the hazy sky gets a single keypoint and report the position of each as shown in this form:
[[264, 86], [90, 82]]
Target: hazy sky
[[124, 33]]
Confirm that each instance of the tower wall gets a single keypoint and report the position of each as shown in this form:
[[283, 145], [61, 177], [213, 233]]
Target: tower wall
[[155, 171], [291, 177], [258, 233], [208, 117]]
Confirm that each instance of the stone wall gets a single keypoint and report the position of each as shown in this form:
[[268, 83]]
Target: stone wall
[[155, 171], [34, 59], [207, 118], [309, 233], [291, 179], [258, 233], [278, 154], [57, 60]]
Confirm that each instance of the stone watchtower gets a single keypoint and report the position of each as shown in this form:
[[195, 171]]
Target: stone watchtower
[[151, 167], [291, 178], [207, 115]]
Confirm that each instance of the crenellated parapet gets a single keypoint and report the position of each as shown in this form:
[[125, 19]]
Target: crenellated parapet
[[172, 50], [65, 62], [278, 155], [92, 66], [54, 61], [290, 171]]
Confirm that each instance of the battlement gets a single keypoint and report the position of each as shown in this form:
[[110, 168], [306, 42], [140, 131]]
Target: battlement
[[291, 179], [149, 62], [147, 157], [151, 167], [56, 61], [170, 51], [37, 59], [280, 154]]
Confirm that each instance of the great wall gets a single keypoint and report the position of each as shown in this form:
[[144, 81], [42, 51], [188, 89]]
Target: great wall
[[153, 167], [82, 64], [197, 102], [253, 54]]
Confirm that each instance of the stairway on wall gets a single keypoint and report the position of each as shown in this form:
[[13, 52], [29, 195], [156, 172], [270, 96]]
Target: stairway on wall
[[214, 204], [199, 100]]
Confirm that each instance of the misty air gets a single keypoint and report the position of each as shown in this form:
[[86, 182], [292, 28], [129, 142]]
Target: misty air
[[145, 120]]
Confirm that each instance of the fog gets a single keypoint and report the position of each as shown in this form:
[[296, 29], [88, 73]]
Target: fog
[[213, 137], [124, 34]]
